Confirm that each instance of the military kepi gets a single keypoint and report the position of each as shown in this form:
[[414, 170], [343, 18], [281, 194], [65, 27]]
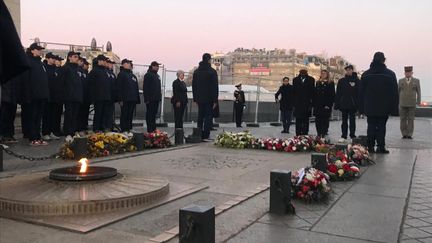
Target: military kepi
[[408, 69]]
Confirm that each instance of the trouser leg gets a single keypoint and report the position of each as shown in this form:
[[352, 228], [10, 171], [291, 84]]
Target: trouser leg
[[381, 132], [352, 123], [410, 121], [344, 125]]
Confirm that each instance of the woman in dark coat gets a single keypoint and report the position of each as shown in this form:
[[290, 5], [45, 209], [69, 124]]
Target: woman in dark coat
[[285, 103], [324, 96], [179, 99]]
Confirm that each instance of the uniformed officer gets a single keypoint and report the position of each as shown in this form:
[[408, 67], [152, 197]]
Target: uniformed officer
[[128, 91], [109, 123], [51, 120], [73, 94], [83, 113], [100, 91], [409, 97], [239, 104]]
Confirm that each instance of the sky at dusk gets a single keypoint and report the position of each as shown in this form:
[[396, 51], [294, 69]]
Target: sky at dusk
[[176, 33]]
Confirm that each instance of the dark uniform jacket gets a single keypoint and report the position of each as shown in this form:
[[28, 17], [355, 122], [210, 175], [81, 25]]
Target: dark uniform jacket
[[85, 86], [71, 81], [99, 84], [347, 93], [239, 97], [152, 86], [179, 92], [127, 84], [205, 87], [56, 89], [113, 80], [324, 97], [303, 89], [379, 94], [286, 102], [34, 83]]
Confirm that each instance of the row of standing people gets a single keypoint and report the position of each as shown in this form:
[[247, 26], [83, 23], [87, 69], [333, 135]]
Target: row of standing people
[[48, 89], [375, 95]]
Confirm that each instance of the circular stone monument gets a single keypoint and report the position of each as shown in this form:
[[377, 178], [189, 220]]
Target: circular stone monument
[[37, 195]]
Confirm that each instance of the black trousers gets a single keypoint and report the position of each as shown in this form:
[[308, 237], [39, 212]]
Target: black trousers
[[376, 131], [178, 115], [36, 111], [205, 118], [51, 119], [126, 116], [7, 118], [71, 118], [83, 115], [26, 119], [238, 109], [151, 112], [101, 114], [286, 119], [109, 122], [302, 125], [322, 124], [348, 114]]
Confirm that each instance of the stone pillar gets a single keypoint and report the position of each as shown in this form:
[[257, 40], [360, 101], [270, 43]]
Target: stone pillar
[[14, 7]]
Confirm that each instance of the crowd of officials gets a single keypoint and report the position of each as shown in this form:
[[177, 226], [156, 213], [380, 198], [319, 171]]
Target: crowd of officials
[[376, 94]]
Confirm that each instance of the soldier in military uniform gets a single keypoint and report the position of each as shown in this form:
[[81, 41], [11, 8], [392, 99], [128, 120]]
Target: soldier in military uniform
[[109, 123], [83, 113], [239, 104], [409, 96]]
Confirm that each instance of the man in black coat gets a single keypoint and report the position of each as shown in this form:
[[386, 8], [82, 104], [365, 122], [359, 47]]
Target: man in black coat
[[205, 91], [128, 91], [83, 113], [179, 99], [152, 95], [379, 98], [54, 108], [239, 104], [100, 91], [34, 93], [346, 101], [285, 103], [73, 94], [303, 90]]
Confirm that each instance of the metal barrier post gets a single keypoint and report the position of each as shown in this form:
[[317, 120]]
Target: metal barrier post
[[280, 192], [1, 158], [161, 119], [197, 224], [256, 124]]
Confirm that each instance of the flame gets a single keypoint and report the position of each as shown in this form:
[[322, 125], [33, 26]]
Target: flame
[[84, 163]]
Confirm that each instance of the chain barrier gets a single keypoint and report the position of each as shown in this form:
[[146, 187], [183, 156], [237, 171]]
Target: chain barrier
[[27, 157]]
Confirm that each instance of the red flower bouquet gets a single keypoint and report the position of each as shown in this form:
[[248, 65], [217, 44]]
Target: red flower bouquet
[[310, 184]]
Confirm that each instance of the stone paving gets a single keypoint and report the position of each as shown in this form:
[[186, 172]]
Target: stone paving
[[384, 205], [417, 226]]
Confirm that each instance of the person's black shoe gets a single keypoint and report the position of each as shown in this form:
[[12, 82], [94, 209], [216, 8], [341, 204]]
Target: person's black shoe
[[283, 131], [404, 137], [409, 137], [353, 136], [382, 151], [371, 150]]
